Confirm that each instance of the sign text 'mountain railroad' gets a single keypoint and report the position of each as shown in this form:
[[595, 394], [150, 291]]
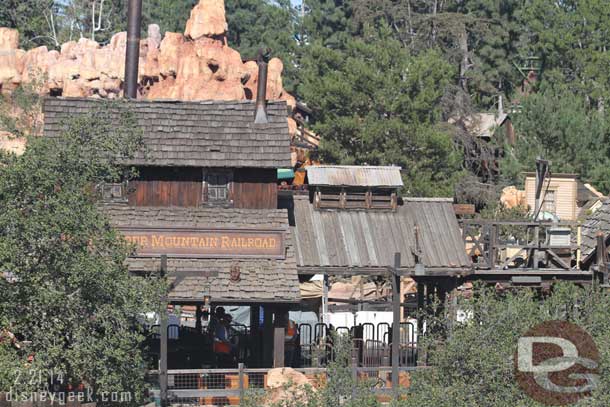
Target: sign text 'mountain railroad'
[[207, 243]]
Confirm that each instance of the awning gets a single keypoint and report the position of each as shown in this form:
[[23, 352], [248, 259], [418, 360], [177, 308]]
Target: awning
[[285, 173]]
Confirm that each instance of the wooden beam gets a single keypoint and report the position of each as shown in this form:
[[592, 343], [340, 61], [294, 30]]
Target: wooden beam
[[278, 347], [395, 322], [602, 257], [163, 326], [267, 335]]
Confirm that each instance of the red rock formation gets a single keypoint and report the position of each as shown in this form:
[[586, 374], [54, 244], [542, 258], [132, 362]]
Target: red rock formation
[[195, 66]]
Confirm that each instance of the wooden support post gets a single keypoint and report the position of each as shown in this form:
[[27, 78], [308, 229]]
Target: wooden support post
[[280, 324], [198, 316], [242, 384], [421, 307], [395, 321], [267, 336], [421, 295], [278, 347], [163, 326], [325, 300], [602, 258], [255, 318]]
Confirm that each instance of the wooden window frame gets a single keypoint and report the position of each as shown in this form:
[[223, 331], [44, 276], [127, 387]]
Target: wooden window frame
[[113, 191], [205, 199]]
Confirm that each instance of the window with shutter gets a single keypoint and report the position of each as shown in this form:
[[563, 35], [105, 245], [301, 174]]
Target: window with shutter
[[217, 186]]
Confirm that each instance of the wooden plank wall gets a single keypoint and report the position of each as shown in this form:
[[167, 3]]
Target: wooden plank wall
[[166, 187], [255, 188], [158, 186]]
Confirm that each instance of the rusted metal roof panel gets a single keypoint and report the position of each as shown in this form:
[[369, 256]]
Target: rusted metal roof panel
[[369, 238], [353, 175]]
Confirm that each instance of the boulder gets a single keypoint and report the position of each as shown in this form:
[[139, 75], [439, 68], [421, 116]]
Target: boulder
[[12, 144], [275, 88], [207, 20], [512, 197], [119, 41], [68, 50], [287, 384], [36, 63], [169, 53], [10, 76], [9, 39]]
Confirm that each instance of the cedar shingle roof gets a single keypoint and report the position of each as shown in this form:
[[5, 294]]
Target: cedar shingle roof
[[262, 280], [195, 134]]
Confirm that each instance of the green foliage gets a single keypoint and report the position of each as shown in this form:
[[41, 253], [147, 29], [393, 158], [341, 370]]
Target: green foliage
[[571, 41], [376, 104], [255, 24], [28, 17], [325, 21], [170, 15], [561, 127], [66, 289], [473, 367]]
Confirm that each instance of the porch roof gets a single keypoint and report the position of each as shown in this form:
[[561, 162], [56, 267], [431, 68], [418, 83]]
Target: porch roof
[[366, 240], [262, 280]]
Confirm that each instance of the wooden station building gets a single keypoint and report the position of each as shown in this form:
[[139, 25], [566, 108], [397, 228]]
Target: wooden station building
[[206, 197]]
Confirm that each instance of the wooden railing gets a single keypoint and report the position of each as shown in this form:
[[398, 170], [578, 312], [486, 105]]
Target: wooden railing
[[506, 245]]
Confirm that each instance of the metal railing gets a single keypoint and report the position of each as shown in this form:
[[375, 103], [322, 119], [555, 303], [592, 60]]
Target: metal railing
[[371, 343]]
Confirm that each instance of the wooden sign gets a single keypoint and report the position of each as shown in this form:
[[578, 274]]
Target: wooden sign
[[207, 243], [464, 209]]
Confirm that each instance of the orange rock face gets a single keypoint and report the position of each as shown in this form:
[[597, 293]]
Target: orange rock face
[[195, 66], [512, 197], [9, 39], [207, 20]]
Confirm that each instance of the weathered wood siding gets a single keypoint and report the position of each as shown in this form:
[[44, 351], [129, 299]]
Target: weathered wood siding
[[158, 186], [185, 187], [255, 188], [565, 188]]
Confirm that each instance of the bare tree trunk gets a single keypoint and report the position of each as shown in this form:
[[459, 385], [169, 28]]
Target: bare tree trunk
[[96, 26], [434, 11], [464, 65]]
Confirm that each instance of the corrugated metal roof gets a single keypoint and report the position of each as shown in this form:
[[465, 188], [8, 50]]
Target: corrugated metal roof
[[369, 239], [354, 175]]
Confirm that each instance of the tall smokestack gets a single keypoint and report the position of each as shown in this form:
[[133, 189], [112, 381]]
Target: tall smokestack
[[132, 56], [261, 93]]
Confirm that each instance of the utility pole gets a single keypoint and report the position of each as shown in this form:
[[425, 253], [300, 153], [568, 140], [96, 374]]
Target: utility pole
[[542, 169]]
